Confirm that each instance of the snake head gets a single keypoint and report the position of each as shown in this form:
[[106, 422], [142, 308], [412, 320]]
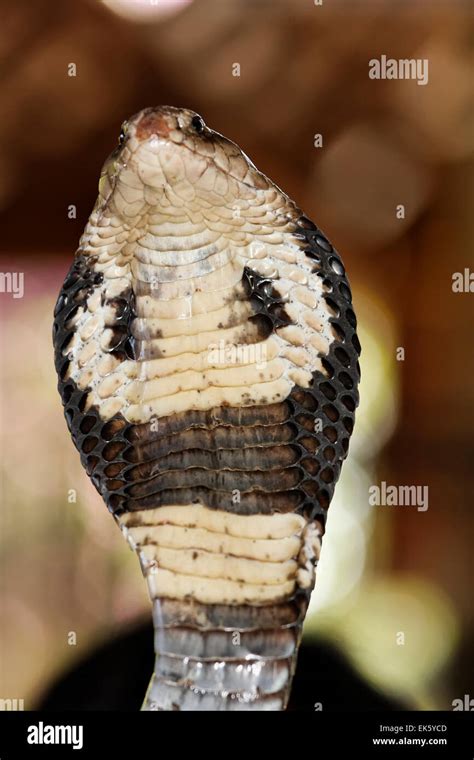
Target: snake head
[[169, 156]]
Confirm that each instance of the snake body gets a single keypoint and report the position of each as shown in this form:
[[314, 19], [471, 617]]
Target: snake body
[[207, 356]]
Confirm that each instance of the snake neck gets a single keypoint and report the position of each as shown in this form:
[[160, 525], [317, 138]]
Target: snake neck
[[227, 625]]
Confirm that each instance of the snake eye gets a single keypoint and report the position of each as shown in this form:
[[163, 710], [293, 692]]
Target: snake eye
[[198, 124], [122, 136]]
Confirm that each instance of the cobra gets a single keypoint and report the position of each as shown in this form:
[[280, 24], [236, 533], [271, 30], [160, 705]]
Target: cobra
[[206, 349]]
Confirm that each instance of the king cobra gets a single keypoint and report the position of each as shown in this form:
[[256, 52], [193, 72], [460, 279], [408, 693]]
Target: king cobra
[[206, 349]]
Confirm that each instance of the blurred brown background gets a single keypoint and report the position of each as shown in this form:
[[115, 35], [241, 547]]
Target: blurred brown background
[[394, 589]]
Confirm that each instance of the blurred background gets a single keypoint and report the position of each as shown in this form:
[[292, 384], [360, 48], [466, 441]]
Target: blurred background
[[394, 588]]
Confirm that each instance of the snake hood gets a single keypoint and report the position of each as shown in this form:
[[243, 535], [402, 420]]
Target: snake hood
[[207, 356]]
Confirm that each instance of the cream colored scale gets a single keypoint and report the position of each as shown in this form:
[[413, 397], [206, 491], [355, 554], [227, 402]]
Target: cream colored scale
[[220, 557], [186, 318]]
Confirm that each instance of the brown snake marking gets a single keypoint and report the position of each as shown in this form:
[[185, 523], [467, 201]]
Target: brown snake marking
[[219, 467]]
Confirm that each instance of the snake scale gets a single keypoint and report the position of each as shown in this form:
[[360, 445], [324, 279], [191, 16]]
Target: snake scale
[[207, 356]]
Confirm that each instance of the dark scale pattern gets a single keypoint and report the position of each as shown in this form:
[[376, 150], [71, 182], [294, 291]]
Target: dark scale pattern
[[123, 344], [265, 299], [333, 396], [192, 614], [99, 444]]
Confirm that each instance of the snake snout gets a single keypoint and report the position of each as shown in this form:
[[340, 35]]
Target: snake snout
[[155, 122], [163, 121]]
